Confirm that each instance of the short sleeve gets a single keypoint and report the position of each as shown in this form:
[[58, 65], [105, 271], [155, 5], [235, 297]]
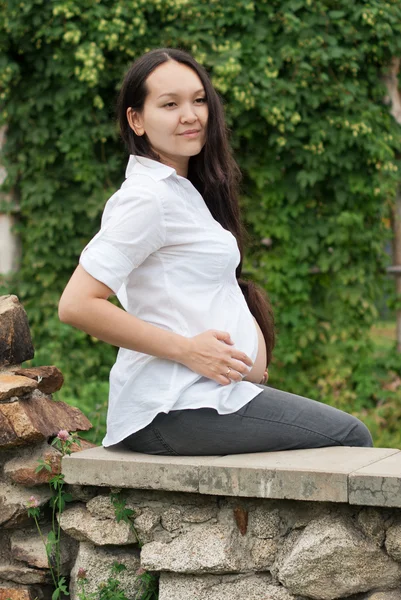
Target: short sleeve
[[132, 228]]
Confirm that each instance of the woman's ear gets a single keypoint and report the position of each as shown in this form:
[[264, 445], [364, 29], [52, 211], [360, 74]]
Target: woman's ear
[[134, 121]]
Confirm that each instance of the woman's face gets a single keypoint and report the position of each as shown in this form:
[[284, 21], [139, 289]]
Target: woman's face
[[175, 103]]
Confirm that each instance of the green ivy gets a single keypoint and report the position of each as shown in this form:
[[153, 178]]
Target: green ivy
[[318, 148]]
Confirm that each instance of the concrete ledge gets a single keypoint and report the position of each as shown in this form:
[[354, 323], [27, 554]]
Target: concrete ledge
[[369, 476], [377, 484]]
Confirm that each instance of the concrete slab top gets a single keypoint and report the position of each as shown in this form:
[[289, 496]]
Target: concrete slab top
[[337, 459], [323, 474]]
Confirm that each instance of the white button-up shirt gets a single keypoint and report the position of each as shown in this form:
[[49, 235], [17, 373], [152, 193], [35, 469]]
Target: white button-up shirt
[[170, 263]]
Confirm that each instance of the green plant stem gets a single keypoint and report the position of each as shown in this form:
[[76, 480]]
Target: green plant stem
[[47, 554], [58, 557]]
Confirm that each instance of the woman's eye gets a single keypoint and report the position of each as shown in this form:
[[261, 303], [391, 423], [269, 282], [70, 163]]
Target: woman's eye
[[197, 100]]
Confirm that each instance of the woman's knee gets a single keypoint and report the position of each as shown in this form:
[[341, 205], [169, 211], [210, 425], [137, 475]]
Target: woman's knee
[[359, 435]]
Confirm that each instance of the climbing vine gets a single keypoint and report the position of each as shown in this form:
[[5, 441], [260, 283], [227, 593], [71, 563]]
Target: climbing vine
[[319, 151]]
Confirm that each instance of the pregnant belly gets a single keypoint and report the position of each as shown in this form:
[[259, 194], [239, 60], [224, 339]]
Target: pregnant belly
[[256, 373]]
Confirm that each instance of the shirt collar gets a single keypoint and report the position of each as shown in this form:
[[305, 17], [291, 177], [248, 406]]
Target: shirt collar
[[148, 166]]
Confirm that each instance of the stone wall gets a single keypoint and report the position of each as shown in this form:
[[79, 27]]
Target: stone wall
[[212, 548], [312, 524], [29, 421]]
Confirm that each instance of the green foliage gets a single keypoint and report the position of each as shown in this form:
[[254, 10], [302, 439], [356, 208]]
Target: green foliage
[[317, 146], [148, 588], [125, 514], [63, 443], [111, 589]]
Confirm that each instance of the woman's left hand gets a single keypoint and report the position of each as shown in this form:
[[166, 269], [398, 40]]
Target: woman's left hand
[[265, 377]]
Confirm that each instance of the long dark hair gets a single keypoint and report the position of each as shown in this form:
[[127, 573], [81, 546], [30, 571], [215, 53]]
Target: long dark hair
[[213, 172]]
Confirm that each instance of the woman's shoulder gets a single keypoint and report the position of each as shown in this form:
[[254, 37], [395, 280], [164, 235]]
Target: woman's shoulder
[[139, 183]]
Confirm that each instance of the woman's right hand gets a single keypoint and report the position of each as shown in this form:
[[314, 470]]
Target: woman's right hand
[[211, 354]]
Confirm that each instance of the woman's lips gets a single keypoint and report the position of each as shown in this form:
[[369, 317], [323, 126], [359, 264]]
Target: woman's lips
[[190, 135]]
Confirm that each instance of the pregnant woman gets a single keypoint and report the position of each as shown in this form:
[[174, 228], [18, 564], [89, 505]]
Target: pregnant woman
[[194, 339]]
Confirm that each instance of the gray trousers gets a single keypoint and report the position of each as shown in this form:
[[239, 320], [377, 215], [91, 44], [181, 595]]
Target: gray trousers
[[273, 420]]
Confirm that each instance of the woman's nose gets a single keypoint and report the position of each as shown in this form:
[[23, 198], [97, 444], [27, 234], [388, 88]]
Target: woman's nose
[[189, 114]]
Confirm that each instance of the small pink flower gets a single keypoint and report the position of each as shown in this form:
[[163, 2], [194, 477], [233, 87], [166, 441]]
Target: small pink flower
[[63, 435], [33, 502], [81, 573], [140, 571]]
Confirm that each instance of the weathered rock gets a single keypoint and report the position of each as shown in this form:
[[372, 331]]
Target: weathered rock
[[145, 524], [82, 526], [5, 552], [29, 548], [8, 436], [226, 587], [22, 574], [13, 386], [384, 595], [264, 523], [49, 379], [204, 549], [13, 503], [263, 554], [22, 468], [199, 514], [14, 591], [371, 523], [101, 507], [8, 592], [331, 559], [393, 540], [83, 493], [171, 519], [15, 336], [29, 421], [96, 563]]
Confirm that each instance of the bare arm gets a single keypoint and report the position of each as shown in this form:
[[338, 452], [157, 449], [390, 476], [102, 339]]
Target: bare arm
[[84, 305]]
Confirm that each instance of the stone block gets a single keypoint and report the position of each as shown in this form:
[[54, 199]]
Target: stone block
[[331, 559], [199, 514], [15, 386], [372, 524], [119, 467], [145, 524], [40, 417], [377, 484], [27, 547], [22, 467], [95, 564], [9, 592], [393, 540], [319, 475], [49, 379], [263, 554], [22, 574], [223, 587], [83, 493], [15, 337], [81, 525], [5, 552], [13, 503], [101, 507], [171, 519], [265, 522], [383, 595], [203, 549]]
